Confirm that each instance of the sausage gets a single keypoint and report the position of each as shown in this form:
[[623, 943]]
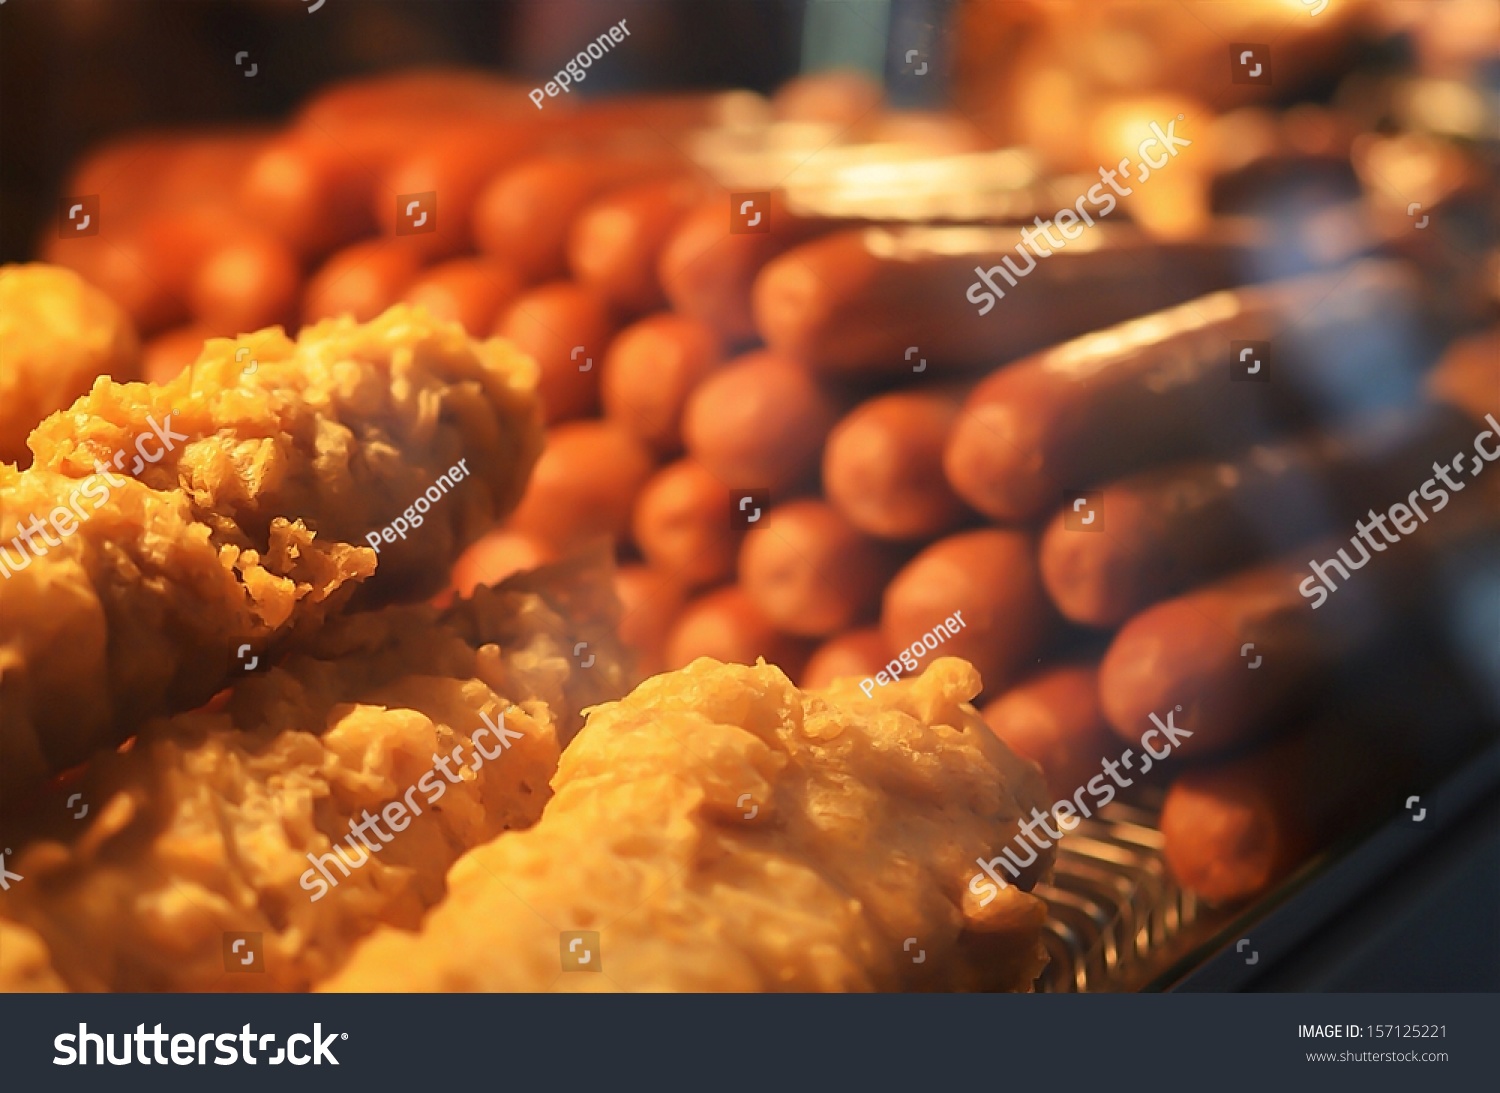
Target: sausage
[[498, 554], [1232, 656], [1053, 718], [148, 265], [165, 356], [314, 190], [166, 172], [858, 301], [123, 267], [565, 327], [453, 162], [1159, 388], [314, 185], [1166, 530], [650, 603], [681, 525], [759, 422], [361, 280], [467, 291], [524, 213], [988, 580], [583, 486], [616, 241], [725, 625], [649, 372], [248, 282], [855, 653], [883, 465], [1163, 531], [707, 270], [421, 94], [810, 571], [123, 170], [1229, 831]]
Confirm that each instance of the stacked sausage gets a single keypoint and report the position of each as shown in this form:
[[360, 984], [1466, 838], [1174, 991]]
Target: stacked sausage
[[807, 436]]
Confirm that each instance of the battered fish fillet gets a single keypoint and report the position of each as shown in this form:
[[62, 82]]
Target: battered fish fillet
[[720, 830], [57, 335], [202, 830], [273, 460]]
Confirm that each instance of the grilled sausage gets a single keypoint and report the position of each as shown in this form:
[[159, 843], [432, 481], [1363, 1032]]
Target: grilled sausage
[[854, 653], [725, 625], [759, 422], [1161, 388], [877, 300], [1053, 718], [616, 241], [565, 327], [584, 485], [883, 465], [988, 580], [467, 291], [681, 525], [362, 280], [709, 266], [810, 571], [649, 372], [524, 214], [650, 604]]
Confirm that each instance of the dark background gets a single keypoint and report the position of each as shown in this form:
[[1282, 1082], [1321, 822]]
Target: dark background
[[73, 72]]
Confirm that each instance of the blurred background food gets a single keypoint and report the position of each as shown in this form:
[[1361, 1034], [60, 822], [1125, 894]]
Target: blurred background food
[[744, 253]]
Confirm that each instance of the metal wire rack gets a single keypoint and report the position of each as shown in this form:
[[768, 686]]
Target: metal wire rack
[[1115, 908]]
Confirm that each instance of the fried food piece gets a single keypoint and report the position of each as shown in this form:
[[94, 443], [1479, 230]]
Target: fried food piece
[[23, 962], [721, 830], [57, 335], [245, 488], [205, 826]]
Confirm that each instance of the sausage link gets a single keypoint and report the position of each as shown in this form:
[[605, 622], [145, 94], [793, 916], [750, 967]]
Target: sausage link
[[810, 571], [565, 327], [857, 301], [759, 421], [986, 579], [651, 369], [1159, 388], [681, 525], [883, 465], [584, 485]]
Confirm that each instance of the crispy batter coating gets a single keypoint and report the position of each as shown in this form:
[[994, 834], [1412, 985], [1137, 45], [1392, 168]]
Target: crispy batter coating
[[57, 335], [721, 830], [203, 827], [23, 962], [247, 529]]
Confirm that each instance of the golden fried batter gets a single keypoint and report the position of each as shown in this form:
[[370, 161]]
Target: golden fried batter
[[23, 962], [204, 827], [57, 335], [129, 587], [720, 830]]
